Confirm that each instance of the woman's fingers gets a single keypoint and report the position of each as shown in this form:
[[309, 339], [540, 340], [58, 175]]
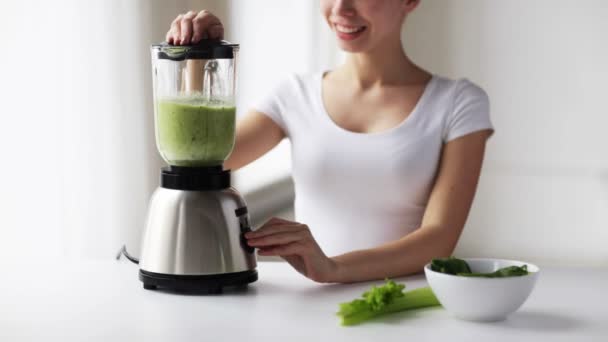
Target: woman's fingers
[[283, 250], [277, 221], [277, 239], [191, 27], [205, 25], [275, 227], [186, 27], [174, 32], [216, 31], [273, 222]]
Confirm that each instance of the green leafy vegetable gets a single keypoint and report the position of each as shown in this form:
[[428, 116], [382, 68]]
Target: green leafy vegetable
[[460, 267], [383, 300], [450, 265], [511, 271]]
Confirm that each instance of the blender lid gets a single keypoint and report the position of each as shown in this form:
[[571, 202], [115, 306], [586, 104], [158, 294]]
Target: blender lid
[[206, 49]]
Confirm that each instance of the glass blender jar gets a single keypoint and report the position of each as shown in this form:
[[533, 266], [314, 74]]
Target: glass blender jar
[[194, 105]]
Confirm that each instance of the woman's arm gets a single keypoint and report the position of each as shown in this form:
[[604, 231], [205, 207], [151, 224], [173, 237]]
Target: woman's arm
[[443, 220], [256, 134]]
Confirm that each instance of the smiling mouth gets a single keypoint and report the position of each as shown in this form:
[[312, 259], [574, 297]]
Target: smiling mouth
[[349, 29]]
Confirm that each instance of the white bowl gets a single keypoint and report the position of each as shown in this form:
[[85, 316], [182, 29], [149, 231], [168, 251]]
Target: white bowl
[[482, 299]]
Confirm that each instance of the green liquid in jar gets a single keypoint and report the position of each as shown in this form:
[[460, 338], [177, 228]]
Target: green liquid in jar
[[195, 132]]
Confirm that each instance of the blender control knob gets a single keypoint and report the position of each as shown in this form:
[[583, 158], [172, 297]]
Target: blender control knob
[[245, 227]]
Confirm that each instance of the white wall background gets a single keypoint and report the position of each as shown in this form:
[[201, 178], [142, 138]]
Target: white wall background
[[544, 190], [79, 160]]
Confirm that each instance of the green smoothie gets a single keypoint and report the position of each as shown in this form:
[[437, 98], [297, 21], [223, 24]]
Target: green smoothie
[[194, 132]]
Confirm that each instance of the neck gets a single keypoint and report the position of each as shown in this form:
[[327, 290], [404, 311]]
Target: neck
[[385, 64]]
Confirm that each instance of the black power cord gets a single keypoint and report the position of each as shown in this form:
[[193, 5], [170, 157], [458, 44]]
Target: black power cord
[[123, 251]]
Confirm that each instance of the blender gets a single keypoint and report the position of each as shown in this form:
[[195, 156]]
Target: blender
[[194, 233]]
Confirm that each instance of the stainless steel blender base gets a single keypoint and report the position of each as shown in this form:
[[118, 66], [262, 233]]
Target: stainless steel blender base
[[196, 233]]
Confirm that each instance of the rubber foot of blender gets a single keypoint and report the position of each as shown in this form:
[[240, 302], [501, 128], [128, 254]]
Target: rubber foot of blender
[[149, 286], [200, 284]]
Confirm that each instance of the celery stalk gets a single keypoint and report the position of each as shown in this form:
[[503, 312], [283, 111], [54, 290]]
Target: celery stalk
[[384, 300]]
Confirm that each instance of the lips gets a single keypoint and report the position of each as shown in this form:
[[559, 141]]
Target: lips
[[349, 29], [349, 32]]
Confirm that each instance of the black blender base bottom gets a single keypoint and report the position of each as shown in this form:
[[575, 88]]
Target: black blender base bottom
[[203, 284]]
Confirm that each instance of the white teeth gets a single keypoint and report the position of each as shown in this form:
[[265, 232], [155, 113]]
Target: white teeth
[[344, 29]]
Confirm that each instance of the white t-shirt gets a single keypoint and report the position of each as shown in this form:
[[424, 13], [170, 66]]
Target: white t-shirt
[[360, 190]]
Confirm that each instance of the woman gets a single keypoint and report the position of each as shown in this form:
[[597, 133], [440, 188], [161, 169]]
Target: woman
[[386, 156]]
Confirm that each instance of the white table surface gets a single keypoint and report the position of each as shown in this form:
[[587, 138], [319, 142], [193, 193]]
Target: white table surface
[[104, 301]]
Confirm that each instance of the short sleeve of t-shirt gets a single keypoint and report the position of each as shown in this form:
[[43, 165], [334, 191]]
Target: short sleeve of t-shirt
[[273, 104], [470, 111]]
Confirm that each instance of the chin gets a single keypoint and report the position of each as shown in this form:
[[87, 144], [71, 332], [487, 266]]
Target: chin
[[353, 47], [350, 49]]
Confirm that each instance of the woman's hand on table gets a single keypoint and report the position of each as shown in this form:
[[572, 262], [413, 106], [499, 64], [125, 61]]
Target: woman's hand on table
[[293, 242]]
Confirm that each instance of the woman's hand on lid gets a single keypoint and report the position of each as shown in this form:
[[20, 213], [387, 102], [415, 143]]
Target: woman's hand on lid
[[190, 28]]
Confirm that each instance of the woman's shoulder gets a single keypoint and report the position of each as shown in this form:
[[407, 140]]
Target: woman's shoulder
[[296, 83], [459, 89], [293, 90], [465, 105], [301, 78]]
